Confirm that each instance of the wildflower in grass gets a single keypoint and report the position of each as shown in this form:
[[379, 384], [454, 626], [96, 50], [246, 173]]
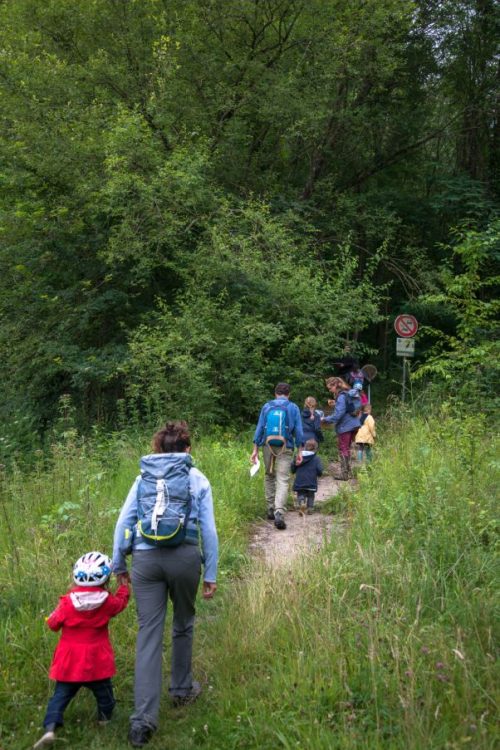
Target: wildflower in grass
[[442, 677]]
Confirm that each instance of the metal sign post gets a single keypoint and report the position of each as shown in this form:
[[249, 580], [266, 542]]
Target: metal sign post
[[403, 394], [406, 327]]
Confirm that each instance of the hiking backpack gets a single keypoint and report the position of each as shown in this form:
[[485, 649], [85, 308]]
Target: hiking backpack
[[276, 427], [352, 404], [164, 501]]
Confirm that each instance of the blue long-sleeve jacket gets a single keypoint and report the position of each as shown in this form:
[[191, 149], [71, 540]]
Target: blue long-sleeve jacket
[[294, 423], [343, 421], [201, 523], [311, 426]]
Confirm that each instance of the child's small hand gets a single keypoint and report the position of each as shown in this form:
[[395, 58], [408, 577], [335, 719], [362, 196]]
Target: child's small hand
[[123, 579]]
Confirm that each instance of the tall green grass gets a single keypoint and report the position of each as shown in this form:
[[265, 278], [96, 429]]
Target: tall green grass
[[383, 639]]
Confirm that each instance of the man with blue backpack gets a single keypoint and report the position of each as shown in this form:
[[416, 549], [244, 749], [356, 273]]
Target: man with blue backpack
[[278, 429]]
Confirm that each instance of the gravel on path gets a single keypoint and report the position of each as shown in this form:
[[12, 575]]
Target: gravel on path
[[303, 534]]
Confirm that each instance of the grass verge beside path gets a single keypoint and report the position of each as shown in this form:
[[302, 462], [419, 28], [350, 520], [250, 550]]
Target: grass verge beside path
[[384, 639]]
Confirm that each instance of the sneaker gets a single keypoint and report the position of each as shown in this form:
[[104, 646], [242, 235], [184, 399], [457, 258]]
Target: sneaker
[[270, 514], [45, 740], [279, 521], [185, 700], [310, 511], [139, 735]]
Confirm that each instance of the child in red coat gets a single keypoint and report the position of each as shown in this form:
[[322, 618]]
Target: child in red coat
[[84, 655]]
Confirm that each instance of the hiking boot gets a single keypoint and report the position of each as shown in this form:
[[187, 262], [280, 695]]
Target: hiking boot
[[310, 511], [185, 700], [139, 735], [344, 469], [279, 521], [270, 514], [45, 740]]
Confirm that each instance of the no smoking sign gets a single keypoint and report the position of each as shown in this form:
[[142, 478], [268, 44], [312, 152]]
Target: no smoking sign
[[406, 326]]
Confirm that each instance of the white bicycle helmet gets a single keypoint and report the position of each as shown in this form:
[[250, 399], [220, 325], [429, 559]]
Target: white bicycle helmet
[[92, 569]]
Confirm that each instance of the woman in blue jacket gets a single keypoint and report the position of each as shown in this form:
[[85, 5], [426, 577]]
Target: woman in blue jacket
[[168, 480], [346, 420]]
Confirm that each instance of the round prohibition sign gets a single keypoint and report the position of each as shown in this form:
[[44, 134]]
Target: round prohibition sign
[[406, 326]]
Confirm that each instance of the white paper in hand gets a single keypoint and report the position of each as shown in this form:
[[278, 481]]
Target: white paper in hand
[[255, 468]]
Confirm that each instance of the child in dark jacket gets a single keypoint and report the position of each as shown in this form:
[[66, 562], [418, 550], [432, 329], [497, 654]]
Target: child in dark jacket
[[84, 655], [311, 420], [306, 476]]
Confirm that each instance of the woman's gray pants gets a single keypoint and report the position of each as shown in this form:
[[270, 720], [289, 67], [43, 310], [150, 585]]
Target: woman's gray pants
[[157, 575]]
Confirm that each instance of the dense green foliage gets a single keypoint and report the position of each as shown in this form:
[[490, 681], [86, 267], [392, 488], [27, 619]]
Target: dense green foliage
[[475, 348], [384, 638], [182, 183]]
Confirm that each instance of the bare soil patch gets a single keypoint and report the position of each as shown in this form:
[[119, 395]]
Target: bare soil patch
[[303, 534]]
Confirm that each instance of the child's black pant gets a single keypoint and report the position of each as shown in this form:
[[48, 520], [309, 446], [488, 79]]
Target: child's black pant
[[65, 691], [306, 497]]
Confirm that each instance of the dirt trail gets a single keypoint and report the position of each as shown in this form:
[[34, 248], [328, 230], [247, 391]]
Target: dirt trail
[[303, 534]]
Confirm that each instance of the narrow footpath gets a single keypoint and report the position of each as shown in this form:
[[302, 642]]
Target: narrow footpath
[[303, 534]]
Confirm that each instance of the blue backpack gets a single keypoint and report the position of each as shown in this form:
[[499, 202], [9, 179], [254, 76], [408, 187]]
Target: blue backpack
[[276, 427], [164, 499], [352, 402]]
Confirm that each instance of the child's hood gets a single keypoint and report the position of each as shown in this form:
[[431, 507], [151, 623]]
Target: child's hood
[[84, 600], [307, 456]]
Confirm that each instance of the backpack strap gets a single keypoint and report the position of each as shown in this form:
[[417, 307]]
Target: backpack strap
[[163, 501], [189, 502], [276, 450]]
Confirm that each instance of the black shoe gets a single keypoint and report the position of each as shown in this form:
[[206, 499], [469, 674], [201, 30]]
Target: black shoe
[[185, 700], [279, 521], [139, 735], [270, 514]]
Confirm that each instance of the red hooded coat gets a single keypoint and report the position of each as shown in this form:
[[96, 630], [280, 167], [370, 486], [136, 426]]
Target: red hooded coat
[[84, 652]]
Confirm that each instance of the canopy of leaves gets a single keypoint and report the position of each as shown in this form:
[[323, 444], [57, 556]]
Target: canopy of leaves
[[199, 198]]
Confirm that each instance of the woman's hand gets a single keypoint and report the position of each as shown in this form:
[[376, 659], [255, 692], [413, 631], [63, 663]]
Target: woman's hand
[[209, 589]]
